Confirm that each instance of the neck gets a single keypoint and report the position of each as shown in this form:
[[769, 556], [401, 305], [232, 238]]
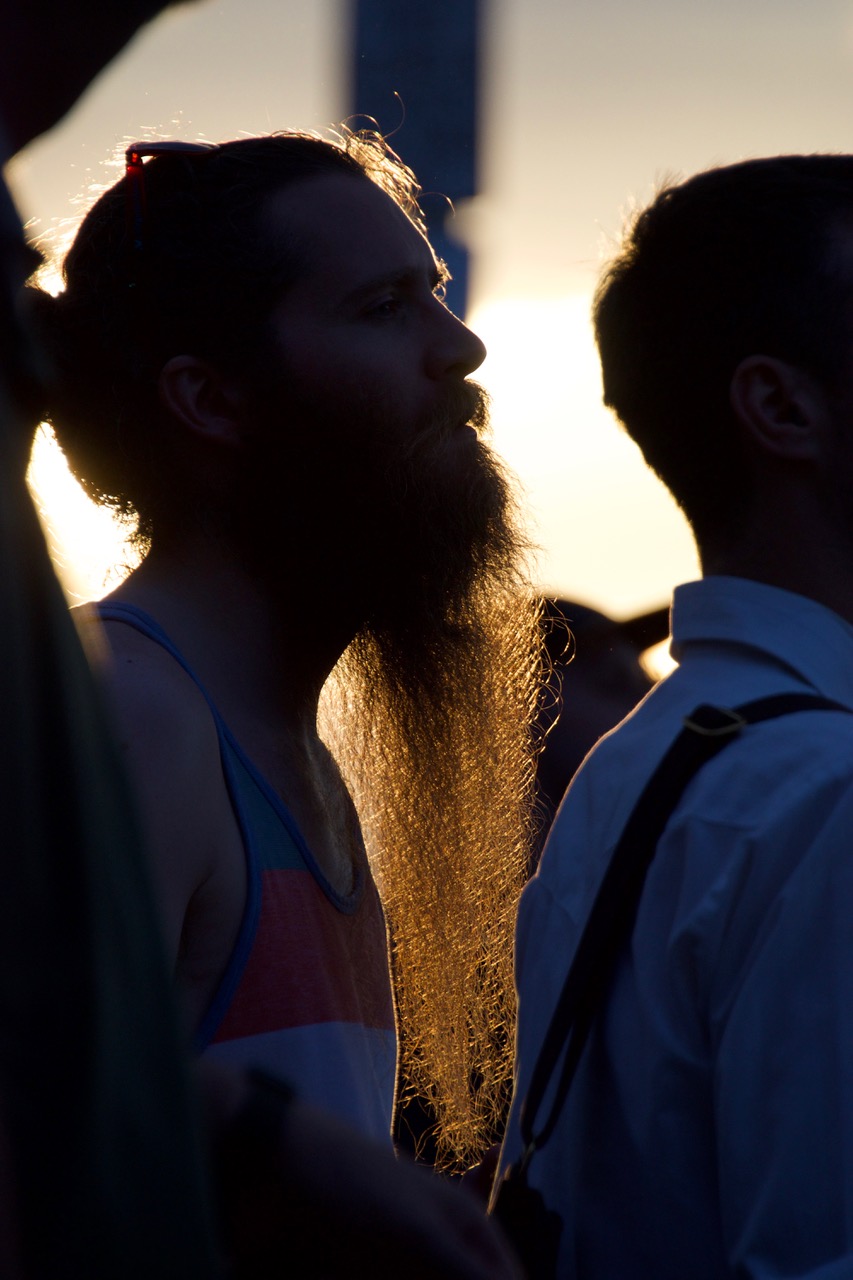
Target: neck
[[267, 649], [795, 544]]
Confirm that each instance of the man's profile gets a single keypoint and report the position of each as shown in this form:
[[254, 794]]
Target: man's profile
[[707, 1131], [260, 367]]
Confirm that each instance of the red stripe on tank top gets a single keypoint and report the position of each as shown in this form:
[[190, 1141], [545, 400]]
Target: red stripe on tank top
[[310, 962]]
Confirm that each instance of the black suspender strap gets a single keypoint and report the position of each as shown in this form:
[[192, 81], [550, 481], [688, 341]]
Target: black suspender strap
[[611, 919], [533, 1228]]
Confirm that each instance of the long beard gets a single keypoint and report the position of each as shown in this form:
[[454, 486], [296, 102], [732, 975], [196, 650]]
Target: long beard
[[429, 714]]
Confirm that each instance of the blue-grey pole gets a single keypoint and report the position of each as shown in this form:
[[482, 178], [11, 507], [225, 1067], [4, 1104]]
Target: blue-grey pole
[[415, 71]]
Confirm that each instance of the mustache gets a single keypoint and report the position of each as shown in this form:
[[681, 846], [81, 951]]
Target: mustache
[[466, 404], [470, 406], [480, 408]]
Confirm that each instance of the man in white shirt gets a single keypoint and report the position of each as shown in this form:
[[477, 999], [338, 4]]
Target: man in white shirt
[[708, 1130]]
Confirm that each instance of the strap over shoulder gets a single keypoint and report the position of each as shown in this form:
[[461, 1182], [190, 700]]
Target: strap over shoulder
[[704, 733]]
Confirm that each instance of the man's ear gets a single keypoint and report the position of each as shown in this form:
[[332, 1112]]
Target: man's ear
[[197, 395], [780, 407]]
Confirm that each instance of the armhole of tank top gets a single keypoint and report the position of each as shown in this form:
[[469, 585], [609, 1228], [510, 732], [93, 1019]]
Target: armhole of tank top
[[230, 980], [146, 626], [345, 903]]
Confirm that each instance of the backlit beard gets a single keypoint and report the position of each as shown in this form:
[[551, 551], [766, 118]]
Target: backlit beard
[[429, 713], [437, 518], [392, 526]]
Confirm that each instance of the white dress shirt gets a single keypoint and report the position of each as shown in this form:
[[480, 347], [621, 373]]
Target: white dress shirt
[[709, 1129]]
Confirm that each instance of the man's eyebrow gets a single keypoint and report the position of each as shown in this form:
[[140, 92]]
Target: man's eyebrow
[[437, 275]]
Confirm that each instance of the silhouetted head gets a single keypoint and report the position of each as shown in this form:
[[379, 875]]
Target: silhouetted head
[[736, 262], [210, 265]]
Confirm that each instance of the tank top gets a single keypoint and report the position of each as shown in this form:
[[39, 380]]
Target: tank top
[[306, 994]]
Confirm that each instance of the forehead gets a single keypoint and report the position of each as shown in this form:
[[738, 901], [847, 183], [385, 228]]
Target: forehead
[[345, 232]]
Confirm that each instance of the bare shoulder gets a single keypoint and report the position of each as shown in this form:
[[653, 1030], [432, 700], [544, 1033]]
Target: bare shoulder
[[170, 744], [154, 699], [163, 723]]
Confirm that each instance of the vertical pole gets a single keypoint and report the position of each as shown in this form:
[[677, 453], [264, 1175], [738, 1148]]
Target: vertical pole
[[427, 52]]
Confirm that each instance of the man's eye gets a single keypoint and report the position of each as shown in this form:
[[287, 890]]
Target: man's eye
[[386, 308]]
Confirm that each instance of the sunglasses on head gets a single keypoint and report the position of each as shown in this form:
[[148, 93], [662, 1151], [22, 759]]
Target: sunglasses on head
[[135, 185]]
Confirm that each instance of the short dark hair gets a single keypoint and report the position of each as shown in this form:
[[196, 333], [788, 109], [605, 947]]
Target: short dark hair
[[205, 284], [736, 261]]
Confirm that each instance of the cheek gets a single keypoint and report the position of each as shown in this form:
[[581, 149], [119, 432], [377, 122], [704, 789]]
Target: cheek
[[342, 412], [358, 400]]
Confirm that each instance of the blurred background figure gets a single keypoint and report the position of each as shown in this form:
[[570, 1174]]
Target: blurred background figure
[[102, 1169], [597, 676]]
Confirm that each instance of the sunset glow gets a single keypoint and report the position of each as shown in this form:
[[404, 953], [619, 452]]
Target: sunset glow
[[86, 543], [602, 520]]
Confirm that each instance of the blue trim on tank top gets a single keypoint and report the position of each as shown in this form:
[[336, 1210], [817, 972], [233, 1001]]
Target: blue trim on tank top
[[229, 750]]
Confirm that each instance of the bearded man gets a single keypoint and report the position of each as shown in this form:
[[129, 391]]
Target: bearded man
[[253, 357]]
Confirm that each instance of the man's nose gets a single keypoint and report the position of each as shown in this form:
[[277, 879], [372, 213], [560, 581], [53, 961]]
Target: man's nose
[[456, 349]]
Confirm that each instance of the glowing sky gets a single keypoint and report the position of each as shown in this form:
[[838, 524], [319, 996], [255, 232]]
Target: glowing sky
[[587, 105]]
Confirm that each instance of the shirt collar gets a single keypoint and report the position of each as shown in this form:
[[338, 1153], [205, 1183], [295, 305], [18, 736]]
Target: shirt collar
[[811, 639]]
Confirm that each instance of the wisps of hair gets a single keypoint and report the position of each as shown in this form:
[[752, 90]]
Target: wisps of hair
[[443, 777]]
